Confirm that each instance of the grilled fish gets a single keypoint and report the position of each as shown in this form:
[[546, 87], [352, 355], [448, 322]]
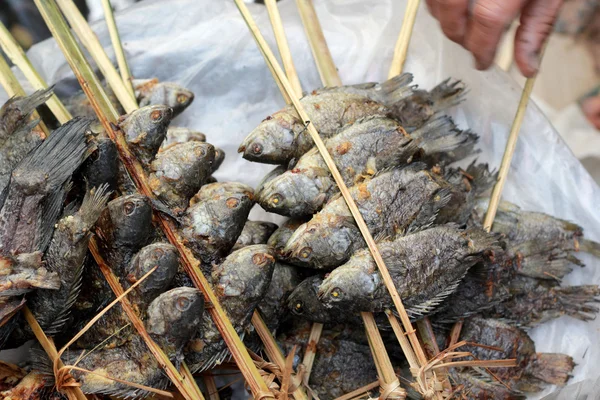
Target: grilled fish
[[255, 232]]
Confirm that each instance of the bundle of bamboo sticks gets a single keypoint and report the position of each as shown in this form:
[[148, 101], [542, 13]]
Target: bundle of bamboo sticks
[[429, 383]]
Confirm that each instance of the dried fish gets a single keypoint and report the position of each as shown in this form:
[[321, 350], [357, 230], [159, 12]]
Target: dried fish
[[479, 385], [32, 202], [102, 166], [533, 370], [23, 273], [255, 232], [273, 306], [152, 92], [240, 283], [179, 171], [180, 134], [426, 268], [280, 237]]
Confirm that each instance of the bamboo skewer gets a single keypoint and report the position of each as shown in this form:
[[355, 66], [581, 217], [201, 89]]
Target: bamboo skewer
[[311, 350], [318, 44], [401, 48], [89, 39], [108, 116], [282, 44], [211, 387], [16, 54], [118, 47]]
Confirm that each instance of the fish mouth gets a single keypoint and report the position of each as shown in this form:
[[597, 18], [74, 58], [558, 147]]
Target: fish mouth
[[242, 148]]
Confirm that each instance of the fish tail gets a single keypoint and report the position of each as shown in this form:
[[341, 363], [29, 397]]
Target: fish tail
[[548, 263], [552, 368], [22, 107], [448, 94], [591, 247], [398, 155], [93, 203], [41, 363], [482, 177], [481, 241], [395, 89], [577, 301], [441, 135]]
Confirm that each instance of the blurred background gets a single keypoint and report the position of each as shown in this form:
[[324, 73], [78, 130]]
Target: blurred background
[[567, 89]]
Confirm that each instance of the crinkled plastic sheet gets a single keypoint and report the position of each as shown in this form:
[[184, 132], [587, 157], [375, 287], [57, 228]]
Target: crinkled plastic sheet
[[206, 46]]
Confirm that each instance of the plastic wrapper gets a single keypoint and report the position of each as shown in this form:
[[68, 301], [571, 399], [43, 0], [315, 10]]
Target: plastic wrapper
[[206, 46]]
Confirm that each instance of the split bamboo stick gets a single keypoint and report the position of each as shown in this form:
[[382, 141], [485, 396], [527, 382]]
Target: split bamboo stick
[[115, 38], [89, 39], [211, 387], [401, 48], [108, 116], [16, 54], [318, 44]]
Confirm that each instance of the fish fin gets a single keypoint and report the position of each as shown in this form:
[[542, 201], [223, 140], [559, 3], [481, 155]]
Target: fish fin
[[93, 203], [543, 260], [448, 94], [319, 200], [60, 154], [482, 177], [426, 307], [440, 135], [590, 247], [22, 107], [41, 363], [401, 154], [429, 211], [63, 315], [161, 207], [413, 166], [552, 368], [574, 301], [481, 240], [395, 89], [50, 214]]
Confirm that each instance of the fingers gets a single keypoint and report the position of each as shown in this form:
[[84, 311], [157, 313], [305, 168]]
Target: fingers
[[591, 109], [431, 7], [537, 20], [488, 22], [452, 15]]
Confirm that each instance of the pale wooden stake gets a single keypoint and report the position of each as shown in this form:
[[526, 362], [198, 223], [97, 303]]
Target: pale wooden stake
[[92, 44], [107, 116], [401, 49], [311, 350], [118, 47], [318, 44]]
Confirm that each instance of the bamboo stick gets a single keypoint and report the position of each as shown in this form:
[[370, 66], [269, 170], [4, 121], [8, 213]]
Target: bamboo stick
[[211, 387], [11, 84], [401, 48], [89, 39], [282, 44], [311, 350], [511, 145], [318, 44], [118, 47], [358, 392], [16, 54], [107, 115]]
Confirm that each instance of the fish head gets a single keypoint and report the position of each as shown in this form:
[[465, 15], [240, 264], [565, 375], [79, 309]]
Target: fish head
[[350, 286], [272, 142], [324, 242], [304, 301], [280, 237], [131, 220], [165, 258], [243, 278], [175, 316], [172, 95], [292, 194], [219, 158], [147, 126]]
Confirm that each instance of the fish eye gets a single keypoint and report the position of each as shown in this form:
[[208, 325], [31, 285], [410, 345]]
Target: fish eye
[[276, 199], [183, 304], [156, 116], [200, 151], [336, 293], [298, 308], [257, 149], [232, 202], [182, 98], [312, 229], [157, 253], [129, 208], [261, 259], [305, 252]]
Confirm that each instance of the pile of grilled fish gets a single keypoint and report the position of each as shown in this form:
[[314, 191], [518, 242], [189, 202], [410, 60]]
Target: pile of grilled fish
[[396, 150]]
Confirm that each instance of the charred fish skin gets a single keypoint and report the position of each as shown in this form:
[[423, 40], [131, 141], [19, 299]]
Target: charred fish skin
[[180, 134], [341, 365], [219, 158], [240, 283], [392, 202], [273, 306], [123, 228], [283, 136], [145, 129], [179, 171], [255, 232], [66, 257], [102, 167], [152, 92], [215, 218], [16, 112], [281, 236], [31, 203], [426, 267], [173, 318], [533, 370]]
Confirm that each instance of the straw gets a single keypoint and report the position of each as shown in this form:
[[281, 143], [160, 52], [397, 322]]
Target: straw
[[401, 49], [118, 47], [89, 39], [359, 392], [318, 44], [108, 116], [311, 350]]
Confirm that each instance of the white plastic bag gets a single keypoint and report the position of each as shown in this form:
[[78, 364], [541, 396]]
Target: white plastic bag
[[206, 46]]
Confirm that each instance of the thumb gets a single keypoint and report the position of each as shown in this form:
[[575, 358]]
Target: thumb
[[537, 20]]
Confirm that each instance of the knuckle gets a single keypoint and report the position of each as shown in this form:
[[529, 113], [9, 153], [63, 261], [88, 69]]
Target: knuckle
[[490, 14]]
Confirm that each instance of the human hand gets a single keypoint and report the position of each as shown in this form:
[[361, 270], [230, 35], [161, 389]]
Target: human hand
[[480, 27], [591, 108]]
